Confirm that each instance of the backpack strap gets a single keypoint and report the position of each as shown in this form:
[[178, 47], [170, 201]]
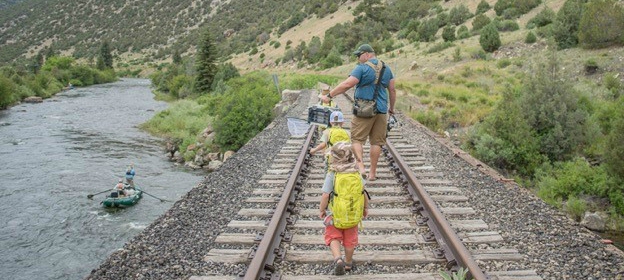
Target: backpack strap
[[377, 69]]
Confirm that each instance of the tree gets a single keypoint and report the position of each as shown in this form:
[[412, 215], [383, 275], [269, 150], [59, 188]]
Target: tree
[[565, 28], [490, 39], [205, 63], [177, 59], [448, 33], [483, 7], [105, 58], [601, 24], [480, 21]]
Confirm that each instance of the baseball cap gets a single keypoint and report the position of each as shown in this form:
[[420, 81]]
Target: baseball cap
[[364, 48], [336, 116]]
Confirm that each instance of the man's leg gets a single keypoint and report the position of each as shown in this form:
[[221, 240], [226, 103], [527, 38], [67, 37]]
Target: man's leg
[[375, 152], [359, 156]]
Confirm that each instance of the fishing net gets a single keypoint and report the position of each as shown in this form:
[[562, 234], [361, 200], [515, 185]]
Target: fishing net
[[298, 127]]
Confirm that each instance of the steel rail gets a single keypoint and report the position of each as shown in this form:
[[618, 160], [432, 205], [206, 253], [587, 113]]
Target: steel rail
[[261, 266], [437, 222]]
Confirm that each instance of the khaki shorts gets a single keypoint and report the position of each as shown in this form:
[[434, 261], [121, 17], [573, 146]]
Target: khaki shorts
[[372, 129]]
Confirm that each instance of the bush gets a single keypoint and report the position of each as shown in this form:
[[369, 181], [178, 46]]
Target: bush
[[601, 24], [530, 38], [483, 7], [566, 25], [480, 21], [448, 33], [7, 89], [570, 179], [463, 33], [490, 39], [545, 17], [246, 109]]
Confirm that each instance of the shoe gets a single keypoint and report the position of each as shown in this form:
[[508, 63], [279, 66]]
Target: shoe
[[339, 266], [371, 178], [349, 267]]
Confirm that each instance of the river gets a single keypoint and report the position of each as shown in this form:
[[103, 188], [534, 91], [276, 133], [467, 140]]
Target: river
[[53, 154]]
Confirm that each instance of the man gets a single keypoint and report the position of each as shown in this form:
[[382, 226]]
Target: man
[[372, 129]]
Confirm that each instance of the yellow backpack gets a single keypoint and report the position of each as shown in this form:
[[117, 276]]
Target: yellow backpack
[[347, 200]]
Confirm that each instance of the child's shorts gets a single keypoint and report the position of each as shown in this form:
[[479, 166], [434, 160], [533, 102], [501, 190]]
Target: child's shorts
[[348, 237]]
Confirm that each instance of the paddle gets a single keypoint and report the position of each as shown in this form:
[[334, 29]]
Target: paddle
[[161, 200], [91, 195]]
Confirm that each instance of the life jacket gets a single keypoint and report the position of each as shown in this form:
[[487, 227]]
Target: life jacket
[[347, 200]]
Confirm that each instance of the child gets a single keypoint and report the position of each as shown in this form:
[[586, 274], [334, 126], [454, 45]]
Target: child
[[342, 162], [332, 135]]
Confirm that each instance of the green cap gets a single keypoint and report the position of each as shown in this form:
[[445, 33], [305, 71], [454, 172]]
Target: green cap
[[364, 48]]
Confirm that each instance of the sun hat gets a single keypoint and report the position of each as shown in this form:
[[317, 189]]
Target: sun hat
[[336, 117], [364, 48]]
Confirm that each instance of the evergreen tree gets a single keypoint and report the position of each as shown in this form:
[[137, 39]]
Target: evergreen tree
[[490, 39], [601, 24], [177, 59], [566, 25], [105, 59], [483, 7], [205, 63]]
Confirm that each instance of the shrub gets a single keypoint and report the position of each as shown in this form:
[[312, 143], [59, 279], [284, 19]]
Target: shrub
[[566, 24], [601, 24], [462, 32], [545, 17], [530, 38], [570, 179], [490, 39], [448, 33], [7, 89], [480, 21], [576, 207], [483, 7]]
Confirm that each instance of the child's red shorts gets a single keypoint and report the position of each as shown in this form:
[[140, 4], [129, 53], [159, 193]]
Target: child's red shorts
[[348, 237]]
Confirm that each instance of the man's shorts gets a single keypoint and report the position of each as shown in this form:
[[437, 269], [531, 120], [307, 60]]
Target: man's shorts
[[348, 237], [373, 129]]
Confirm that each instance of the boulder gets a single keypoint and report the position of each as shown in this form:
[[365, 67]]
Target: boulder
[[594, 221], [33, 99]]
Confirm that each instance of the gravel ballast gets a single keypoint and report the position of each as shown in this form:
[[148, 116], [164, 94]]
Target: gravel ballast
[[174, 245]]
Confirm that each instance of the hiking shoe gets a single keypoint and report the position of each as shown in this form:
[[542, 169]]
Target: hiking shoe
[[339, 266], [349, 266]]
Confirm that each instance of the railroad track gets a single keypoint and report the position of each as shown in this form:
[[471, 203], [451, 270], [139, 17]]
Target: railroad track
[[418, 224]]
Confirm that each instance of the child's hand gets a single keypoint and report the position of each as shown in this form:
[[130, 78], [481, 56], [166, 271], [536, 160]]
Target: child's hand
[[322, 214], [365, 212]]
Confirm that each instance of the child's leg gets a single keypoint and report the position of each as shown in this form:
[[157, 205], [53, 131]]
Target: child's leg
[[334, 246]]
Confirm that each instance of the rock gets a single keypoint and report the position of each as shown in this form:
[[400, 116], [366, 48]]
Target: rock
[[227, 155], [33, 99], [593, 221], [214, 165], [413, 66]]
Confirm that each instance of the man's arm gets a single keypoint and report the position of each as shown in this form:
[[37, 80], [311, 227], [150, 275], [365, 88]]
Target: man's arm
[[341, 88], [391, 96]]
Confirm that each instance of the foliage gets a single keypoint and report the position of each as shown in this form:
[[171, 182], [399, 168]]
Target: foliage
[[567, 22], [521, 6], [530, 38], [105, 58], [483, 7], [614, 159], [505, 139], [205, 63], [480, 21], [448, 33], [458, 275], [490, 39], [459, 14], [7, 89], [601, 24], [573, 178], [545, 17], [184, 120], [463, 33], [551, 109], [427, 30], [245, 109]]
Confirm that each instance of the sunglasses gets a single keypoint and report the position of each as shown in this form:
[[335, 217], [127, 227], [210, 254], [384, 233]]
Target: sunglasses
[[358, 54]]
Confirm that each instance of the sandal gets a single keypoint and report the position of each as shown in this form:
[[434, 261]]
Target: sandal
[[339, 266], [349, 267]]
